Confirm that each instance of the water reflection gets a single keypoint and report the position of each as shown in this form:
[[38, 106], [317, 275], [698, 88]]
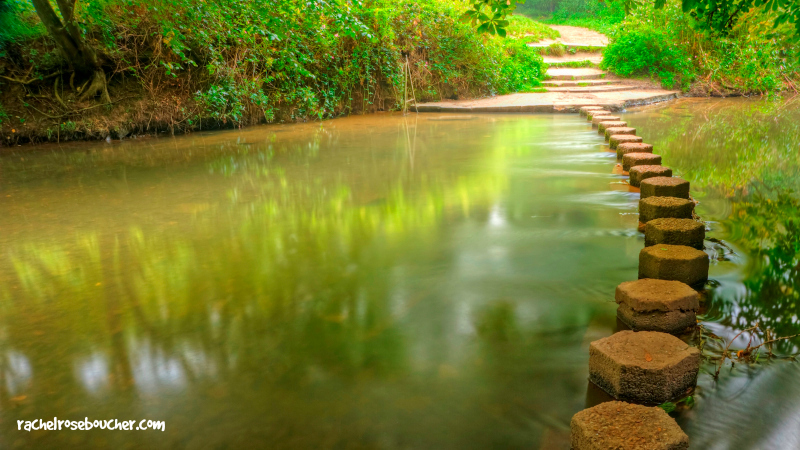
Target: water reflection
[[329, 285]]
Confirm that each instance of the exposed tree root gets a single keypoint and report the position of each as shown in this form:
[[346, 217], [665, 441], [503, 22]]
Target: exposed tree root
[[97, 86]]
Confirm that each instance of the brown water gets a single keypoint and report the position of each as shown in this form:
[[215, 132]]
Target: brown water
[[370, 282]]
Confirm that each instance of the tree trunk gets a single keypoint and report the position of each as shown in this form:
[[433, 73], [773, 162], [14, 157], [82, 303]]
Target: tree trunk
[[69, 39]]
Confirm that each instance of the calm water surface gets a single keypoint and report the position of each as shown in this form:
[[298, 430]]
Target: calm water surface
[[371, 282]]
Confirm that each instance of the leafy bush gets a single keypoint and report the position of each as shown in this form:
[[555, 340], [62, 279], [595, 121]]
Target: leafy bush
[[236, 62], [645, 50]]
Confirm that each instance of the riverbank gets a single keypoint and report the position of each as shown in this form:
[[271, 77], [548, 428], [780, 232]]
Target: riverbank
[[174, 68]]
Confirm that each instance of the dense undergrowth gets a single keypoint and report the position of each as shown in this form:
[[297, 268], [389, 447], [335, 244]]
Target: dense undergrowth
[[679, 51], [179, 65]]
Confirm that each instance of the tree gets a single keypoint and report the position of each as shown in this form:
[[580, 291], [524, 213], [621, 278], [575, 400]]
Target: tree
[[68, 36], [718, 15]]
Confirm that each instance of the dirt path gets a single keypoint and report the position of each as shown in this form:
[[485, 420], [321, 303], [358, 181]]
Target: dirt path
[[568, 88]]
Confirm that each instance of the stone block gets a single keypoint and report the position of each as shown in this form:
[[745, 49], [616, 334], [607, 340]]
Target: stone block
[[633, 147], [613, 131], [599, 112], [618, 139], [688, 232], [596, 119], [601, 127], [625, 426], [640, 159], [652, 208], [657, 305], [585, 109], [674, 262], [643, 172], [664, 187], [644, 367]]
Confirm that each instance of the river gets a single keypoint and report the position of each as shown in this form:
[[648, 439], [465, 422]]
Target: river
[[428, 281]]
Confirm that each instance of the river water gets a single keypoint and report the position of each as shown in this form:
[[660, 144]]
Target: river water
[[427, 281]]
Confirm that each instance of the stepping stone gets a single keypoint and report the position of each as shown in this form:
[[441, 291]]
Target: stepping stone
[[585, 109], [674, 262], [604, 124], [688, 232], [597, 119], [639, 159], [639, 173], [664, 187], [652, 208], [625, 426], [657, 305], [600, 112], [613, 131], [619, 139], [643, 367], [633, 147]]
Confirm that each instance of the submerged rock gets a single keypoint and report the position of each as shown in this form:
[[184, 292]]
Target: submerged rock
[[643, 367], [624, 426], [657, 305]]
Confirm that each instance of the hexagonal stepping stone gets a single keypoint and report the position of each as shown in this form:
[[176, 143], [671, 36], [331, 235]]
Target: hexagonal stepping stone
[[652, 208], [633, 147], [657, 305], [601, 127], [613, 131], [597, 119], [639, 173], [585, 109], [599, 112], [674, 262], [618, 139], [625, 426], [640, 159], [688, 232], [664, 187], [643, 367]]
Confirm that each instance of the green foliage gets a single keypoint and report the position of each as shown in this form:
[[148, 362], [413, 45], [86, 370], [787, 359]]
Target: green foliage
[[649, 51], [237, 62], [490, 16], [18, 22]]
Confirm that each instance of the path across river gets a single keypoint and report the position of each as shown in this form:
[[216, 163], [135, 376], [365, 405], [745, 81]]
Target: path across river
[[567, 88]]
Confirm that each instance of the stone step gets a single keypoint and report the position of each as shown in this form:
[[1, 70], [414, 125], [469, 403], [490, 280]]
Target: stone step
[[588, 48], [584, 89], [587, 58], [579, 83], [585, 73]]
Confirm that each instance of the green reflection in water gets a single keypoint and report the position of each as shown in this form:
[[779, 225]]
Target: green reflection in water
[[371, 282], [743, 161]]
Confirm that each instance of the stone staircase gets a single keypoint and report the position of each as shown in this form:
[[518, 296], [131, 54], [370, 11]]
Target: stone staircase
[[583, 80]]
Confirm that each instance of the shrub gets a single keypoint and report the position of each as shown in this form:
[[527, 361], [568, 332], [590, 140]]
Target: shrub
[[647, 51]]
